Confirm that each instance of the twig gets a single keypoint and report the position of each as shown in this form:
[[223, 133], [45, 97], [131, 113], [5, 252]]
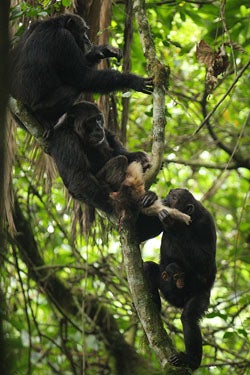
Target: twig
[[223, 98], [161, 76]]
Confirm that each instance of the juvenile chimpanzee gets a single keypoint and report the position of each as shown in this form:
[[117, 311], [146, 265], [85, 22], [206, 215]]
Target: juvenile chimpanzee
[[91, 162], [132, 193], [191, 251], [174, 276], [54, 62]]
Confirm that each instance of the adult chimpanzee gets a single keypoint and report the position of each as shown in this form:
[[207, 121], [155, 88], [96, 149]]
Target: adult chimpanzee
[[91, 162], [189, 250], [54, 62]]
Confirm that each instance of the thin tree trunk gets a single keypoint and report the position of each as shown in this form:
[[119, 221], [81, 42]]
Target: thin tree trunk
[[4, 48]]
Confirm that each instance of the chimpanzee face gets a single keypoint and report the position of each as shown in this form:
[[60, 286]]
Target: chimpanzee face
[[94, 130], [88, 123], [172, 199], [180, 199], [78, 28]]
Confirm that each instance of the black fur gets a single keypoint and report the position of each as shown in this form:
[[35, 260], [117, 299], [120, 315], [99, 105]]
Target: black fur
[[147, 227], [191, 249], [90, 160], [54, 62]]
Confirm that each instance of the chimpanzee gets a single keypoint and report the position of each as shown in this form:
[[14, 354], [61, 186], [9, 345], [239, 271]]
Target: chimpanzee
[[91, 162], [54, 62], [174, 276], [189, 249], [132, 194]]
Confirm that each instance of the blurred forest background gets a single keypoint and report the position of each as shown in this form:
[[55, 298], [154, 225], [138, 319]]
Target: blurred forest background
[[66, 306]]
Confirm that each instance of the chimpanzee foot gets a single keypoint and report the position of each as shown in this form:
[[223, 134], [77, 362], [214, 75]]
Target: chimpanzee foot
[[181, 360]]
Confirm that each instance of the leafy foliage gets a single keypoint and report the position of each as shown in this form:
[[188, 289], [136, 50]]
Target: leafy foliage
[[43, 334]]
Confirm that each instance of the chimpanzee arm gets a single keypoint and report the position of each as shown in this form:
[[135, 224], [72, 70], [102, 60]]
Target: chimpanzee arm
[[115, 144], [66, 149], [113, 172], [98, 53], [147, 227], [86, 188], [75, 70], [105, 81], [119, 149], [152, 275]]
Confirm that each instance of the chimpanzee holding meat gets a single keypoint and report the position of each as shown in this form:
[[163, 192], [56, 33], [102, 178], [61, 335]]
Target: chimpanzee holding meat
[[187, 257]]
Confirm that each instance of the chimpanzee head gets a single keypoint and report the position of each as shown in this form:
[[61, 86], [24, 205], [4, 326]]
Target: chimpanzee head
[[174, 275], [182, 200], [78, 28], [88, 123]]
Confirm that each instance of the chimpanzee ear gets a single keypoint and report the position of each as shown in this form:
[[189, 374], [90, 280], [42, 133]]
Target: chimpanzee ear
[[190, 209]]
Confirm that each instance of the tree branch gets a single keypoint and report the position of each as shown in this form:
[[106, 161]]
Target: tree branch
[[234, 153], [126, 66], [196, 164], [148, 314], [161, 77], [210, 114], [28, 122]]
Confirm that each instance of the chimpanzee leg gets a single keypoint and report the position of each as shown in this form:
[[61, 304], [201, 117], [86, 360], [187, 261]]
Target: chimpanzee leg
[[152, 274], [113, 172], [192, 313]]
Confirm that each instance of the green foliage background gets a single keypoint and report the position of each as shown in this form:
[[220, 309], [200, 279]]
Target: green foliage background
[[40, 339]]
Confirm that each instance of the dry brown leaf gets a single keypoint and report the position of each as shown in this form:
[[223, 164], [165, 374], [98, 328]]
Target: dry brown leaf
[[204, 54]]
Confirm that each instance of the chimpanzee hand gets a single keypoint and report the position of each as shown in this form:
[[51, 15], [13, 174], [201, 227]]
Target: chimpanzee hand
[[148, 199], [140, 157], [98, 53], [165, 217], [181, 360], [145, 85], [110, 51]]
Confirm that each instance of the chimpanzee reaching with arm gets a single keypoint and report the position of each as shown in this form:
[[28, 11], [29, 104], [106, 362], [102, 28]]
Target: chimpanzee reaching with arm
[[54, 62], [191, 251], [90, 160]]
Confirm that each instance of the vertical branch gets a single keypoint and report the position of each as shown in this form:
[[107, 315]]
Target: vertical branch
[[104, 25], [90, 11], [149, 317], [160, 74], [128, 36]]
